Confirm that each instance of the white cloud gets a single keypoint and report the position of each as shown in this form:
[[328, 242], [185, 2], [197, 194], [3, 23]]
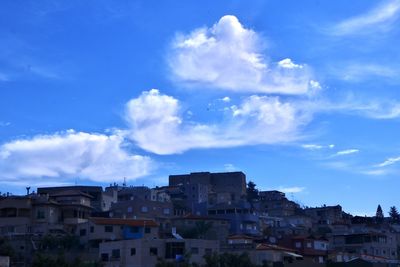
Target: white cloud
[[157, 126], [351, 105], [294, 189], [71, 154], [388, 162], [378, 172], [361, 71], [226, 99], [3, 77], [316, 146], [287, 63], [4, 123], [381, 18], [229, 56], [229, 167], [346, 152]]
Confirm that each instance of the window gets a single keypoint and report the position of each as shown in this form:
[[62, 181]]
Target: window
[[153, 251], [208, 251], [104, 257], [82, 232], [309, 245], [129, 209], [144, 209], [166, 211], [40, 214], [91, 229], [147, 230], [298, 244], [174, 249], [115, 253], [108, 229], [134, 229], [194, 250], [133, 251]]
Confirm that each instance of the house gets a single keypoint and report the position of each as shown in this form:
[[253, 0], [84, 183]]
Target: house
[[146, 252], [204, 227], [367, 243], [99, 229], [100, 201], [313, 248], [325, 215], [198, 190], [275, 204], [242, 217]]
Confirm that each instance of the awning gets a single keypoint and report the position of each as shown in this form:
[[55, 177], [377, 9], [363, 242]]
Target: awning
[[291, 254]]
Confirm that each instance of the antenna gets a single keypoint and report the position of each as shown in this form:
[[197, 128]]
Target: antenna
[[124, 184]]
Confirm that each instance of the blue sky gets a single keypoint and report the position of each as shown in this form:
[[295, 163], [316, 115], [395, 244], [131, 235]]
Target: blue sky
[[302, 96]]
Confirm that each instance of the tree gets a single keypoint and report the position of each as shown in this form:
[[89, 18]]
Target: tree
[[252, 192], [394, 215], [379, 214]]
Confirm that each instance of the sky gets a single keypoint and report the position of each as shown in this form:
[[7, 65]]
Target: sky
[[302, 96]]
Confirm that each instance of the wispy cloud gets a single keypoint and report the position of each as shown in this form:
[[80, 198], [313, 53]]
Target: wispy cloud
[[4, 77], [376, 172], [380, 18], [4, 123], [294, 189], [389, 161], [229, 167], [346, 152], [317, 147], [361, 71], [229, 56]]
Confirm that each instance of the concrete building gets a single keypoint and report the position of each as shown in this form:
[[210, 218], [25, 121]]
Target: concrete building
[[374, 244], [146, 252], [325, 215], [216, 228], [100, 201], [243, 219], [98, 230], [211, 188], [275, 204], [315, 249]]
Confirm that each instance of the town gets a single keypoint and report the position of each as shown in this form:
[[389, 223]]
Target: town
[[198, 219]]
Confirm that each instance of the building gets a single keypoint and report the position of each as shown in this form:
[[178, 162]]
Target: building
[[203, 227], [100, 201], [325, 215], [275, 204], [313, 248], [211, 188], [372, 243], [146, 252], [243, 219]]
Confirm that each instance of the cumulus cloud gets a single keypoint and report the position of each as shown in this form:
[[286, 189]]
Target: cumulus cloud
[[381, 18], [229, 56], [70, 154], [157, 125], [226, 99]]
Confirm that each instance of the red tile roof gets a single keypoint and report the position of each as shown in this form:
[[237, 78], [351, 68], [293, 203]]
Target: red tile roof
[[119, 221]]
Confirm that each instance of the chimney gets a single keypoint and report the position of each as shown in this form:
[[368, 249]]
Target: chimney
[[27, 190]]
